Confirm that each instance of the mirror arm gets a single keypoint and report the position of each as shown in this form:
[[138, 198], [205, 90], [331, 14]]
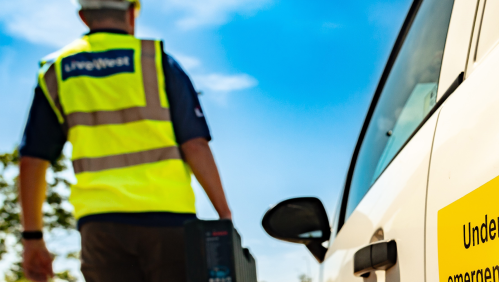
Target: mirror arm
[[318, 250]]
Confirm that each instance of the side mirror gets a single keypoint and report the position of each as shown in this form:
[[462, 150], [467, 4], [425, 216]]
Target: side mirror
[[300, 220]]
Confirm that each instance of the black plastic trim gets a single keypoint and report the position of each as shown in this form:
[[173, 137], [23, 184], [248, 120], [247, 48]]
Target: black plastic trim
[[317, 250], [314, 245], [377, 256], [322, 214]]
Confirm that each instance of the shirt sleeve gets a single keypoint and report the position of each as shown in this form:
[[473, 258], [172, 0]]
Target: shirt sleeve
[[44, 136], [186, 113]]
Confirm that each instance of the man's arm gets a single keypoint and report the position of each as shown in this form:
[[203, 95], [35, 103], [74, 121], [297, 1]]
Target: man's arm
[[191, 131], [197, 154], [37, 261], [42, 143], [32, 189]]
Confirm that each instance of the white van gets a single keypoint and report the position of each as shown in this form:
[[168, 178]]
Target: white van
[[421, 197]]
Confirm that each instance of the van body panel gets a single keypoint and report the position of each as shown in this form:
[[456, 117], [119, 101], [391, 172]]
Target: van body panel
[[466, 147], [395, 204]]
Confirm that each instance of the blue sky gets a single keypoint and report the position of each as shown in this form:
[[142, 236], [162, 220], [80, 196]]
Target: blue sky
[[286, 86]]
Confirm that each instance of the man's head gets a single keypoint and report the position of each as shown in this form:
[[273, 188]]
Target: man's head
[[115, 14]]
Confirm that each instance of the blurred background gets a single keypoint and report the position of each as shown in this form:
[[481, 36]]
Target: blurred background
[[285, 88]]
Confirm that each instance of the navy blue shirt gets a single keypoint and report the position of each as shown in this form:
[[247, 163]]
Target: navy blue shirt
[[44, 137]]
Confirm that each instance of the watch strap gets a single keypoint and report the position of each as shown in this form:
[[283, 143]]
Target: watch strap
[[32, 235]]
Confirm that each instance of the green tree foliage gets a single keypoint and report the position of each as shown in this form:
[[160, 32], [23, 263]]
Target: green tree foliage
[[55, 216], [304, 278]]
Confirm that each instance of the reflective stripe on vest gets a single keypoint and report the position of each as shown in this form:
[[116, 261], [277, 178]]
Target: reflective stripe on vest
[[108, 90]]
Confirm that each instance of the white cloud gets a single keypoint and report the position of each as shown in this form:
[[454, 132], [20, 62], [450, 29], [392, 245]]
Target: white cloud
[[187, 62], [196, 13], [55, 23], [47, 22], [219, 86], [224, 83]]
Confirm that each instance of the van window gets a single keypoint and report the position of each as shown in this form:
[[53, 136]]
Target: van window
[[489, 31], [407, 97]]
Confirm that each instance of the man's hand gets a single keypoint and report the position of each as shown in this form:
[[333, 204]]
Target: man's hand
[[198, 155], [37, 261], [226, 215]]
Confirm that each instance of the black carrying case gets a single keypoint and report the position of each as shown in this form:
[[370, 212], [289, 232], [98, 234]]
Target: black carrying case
[[214, 253]]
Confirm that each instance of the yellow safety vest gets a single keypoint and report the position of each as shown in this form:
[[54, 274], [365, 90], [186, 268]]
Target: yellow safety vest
[[108, 91]]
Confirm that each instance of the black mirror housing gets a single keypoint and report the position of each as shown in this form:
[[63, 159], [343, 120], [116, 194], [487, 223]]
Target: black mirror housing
[[300, 220]]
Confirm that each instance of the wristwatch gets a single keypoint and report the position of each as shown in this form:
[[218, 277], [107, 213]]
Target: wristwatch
[[32, 235]]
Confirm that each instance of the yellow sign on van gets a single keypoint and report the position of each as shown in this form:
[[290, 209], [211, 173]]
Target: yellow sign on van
[[468, 237]]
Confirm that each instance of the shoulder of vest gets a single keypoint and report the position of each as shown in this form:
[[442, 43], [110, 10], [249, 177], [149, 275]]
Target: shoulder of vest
[[50, 58], [72, 47]]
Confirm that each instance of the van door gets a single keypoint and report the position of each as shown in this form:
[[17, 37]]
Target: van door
[[463, 189], [385, 194]]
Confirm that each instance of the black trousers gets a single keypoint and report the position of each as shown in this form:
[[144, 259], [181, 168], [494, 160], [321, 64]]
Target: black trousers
[[120, 252]]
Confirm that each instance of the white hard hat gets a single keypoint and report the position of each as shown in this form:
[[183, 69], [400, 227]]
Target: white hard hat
[[109, 4]]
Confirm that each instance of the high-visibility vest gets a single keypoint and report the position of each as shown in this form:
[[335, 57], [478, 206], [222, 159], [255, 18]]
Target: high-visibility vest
[[108, 91]]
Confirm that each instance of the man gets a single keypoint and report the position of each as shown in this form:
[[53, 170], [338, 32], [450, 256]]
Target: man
[[137, 131]]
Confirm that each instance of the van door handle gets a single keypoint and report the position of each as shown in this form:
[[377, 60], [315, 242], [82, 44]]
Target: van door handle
[[376, 256]]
